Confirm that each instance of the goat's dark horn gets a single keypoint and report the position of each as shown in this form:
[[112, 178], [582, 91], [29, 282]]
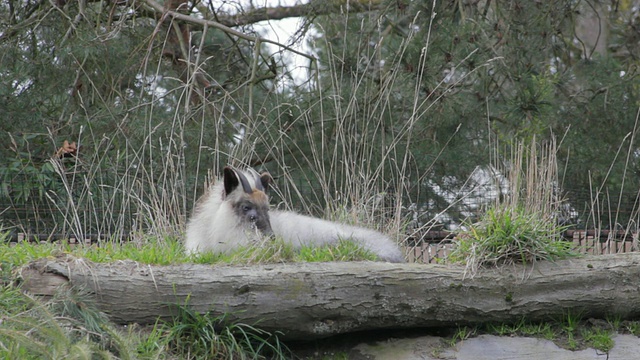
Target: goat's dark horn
[[259, 184], [245, 183]]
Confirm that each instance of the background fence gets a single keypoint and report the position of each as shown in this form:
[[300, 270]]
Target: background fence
[[436, 245]]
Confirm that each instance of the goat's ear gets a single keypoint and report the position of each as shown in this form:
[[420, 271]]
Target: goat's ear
[[230, 179], [266, 180]]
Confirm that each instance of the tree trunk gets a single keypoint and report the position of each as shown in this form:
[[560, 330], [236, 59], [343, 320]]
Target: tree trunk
[[314, 300]]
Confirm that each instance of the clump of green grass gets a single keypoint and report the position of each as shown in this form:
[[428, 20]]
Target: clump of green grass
[[149, 343], [569, 332], [462, 333], [521, 227], [507, 235], [599, 339], [631, 327], [570, 324], [194, 335], [67, 327], [12, 300], [523, 328]]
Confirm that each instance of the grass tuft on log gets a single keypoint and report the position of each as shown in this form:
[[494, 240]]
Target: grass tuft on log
[[522, 226]]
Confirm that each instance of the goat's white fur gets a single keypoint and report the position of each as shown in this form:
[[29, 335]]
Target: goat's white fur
[[215, 227], [300, 230]]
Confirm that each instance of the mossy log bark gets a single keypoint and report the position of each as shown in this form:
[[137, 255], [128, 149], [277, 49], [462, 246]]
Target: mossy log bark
[[314, 300]]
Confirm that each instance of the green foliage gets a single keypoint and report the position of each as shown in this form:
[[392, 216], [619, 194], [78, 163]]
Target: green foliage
[[167, 251], [12, 300], [633, 327], [24, 178], [19, 254], [570, 326], [522, 327], [150, 344], [522, 226], [462, 333], [545, 330], [506, 235], [599, 339], [569, 332], [269, 251], [54, 331], [570, 321], [193, 335], [149, 251], [507, 329]]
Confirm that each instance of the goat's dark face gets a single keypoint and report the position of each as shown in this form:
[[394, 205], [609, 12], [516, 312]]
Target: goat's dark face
[[248, 198], [254, 214]]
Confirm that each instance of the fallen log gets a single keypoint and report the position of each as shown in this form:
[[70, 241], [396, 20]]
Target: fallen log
[[315, 300]]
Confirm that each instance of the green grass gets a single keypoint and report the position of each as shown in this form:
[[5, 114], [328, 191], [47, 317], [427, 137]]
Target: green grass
[[523, 328], [152, 251], [569, 332], [600, 339], [277, 251], [521, 226], [506, 329], [507, 235], [204, 336], [344, 250], [53, 330], [12, 301], [462, 333], [615, 322], [544, 330], [171, 251], [569, 324], [632, 327], [571, 321]]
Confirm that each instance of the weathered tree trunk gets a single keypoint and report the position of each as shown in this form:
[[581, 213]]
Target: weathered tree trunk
[[313, 300]]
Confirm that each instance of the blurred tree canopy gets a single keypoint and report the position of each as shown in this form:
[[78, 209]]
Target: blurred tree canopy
[[397, 106]]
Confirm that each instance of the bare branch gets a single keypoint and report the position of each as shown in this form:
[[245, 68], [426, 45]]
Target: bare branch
[[199, 23], [313, 8]]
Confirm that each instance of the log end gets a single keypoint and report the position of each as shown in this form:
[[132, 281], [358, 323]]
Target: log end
[[38, 279]]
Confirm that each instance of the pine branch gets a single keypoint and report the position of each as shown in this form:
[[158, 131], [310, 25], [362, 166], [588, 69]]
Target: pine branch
[[313, 8]]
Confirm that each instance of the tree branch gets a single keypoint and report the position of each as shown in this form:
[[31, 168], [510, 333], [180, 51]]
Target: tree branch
[[199, 23], [313, 8]]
